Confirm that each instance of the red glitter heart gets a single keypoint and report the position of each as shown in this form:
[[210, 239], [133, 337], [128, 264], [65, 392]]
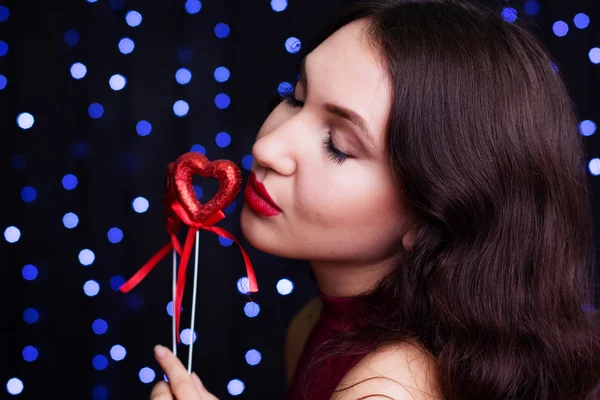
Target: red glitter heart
[[180, 177]]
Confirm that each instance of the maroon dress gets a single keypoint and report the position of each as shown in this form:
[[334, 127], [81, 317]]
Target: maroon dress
[[338, 313]]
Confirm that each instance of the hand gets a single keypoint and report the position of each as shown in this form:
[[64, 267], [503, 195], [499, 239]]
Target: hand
[[182, 385]]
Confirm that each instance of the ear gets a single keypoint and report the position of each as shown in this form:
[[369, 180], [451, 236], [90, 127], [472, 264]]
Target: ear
[[410, 235]]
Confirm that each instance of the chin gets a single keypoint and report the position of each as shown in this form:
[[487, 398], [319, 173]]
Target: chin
[[261, 235]]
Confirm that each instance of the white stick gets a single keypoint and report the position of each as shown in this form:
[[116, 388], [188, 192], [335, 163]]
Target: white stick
[[194, 303], [173, 309]]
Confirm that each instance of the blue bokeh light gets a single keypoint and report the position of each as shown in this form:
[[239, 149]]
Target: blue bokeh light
[[183, 76], [285, 287], [86, 257], [126, 45], [225, 242], [140, 205], [3, 48], [99, 393], [116, 282], [147, 375], [193, 6], [581, 21], [253, 357], [251, 309], [96, 110], [78, 70], [12, 234], [80, 149], [91, 288], [118, 352], [198, 148], [181, 108], [235, 387], [31, 316], [509, 14], [587, 128], [115, 235], [143, 128], [4, 13], [70, 220], [29, 272], [223, 139], [222, 30], [279, 5], [247, 161], [198, 191], [25, 120], [17, 161], [221, 74], [560, 28], [69, 181], [14, 386], [133, 18], [230, 208], [222, 101], [285, 88], [293, 45], [532, 7], [28, 194], [30, 353], [71, 37], [117, 82], [100, 362], [3, 82], [117, 4], [134, 301], [99, 326]]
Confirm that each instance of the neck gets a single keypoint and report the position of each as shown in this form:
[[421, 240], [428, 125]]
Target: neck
[[347, 280]]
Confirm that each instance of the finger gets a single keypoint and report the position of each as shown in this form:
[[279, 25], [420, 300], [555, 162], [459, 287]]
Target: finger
[[182, 383], [197, 382], [161, 391]]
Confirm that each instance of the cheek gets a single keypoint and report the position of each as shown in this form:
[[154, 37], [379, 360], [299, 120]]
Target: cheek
[[349, 203]]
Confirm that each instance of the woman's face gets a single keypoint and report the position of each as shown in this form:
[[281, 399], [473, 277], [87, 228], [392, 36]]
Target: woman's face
[[333, 208]]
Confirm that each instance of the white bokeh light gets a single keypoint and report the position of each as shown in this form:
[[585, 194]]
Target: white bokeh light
[[25, 120], [285, 287], [86, 257], [117, 82], [12, 234], [140, 205], [78, 70]]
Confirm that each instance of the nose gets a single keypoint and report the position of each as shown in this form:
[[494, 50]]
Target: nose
[[274, 151]]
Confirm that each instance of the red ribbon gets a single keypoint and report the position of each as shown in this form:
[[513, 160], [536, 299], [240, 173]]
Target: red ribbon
[[185, 257]]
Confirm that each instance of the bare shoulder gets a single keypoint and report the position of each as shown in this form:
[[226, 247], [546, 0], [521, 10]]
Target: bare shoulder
[[397, 371]]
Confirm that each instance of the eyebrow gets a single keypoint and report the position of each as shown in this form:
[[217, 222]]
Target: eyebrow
[[342, 112]]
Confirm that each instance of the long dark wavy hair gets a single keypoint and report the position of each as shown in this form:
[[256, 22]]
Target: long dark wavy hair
[[483, 141]]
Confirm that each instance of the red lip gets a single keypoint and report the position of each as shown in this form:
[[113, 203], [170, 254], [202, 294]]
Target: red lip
[[261, 190]]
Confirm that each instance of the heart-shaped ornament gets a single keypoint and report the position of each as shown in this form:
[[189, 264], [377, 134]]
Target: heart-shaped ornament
[[189, 164]]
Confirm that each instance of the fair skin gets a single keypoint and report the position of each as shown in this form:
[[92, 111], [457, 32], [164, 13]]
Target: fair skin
[[346, 217]]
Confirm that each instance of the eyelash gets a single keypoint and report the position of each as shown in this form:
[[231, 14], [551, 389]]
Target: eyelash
[[333, 152]]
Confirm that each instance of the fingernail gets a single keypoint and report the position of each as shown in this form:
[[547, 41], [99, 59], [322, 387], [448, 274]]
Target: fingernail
[[160, 351], [197, 379]]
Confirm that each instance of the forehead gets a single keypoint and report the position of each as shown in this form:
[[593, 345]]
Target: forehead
[[344, 70]]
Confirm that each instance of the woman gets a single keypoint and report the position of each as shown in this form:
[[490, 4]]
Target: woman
[[429, 166]]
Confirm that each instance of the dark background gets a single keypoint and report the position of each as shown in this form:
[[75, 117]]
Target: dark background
[[114, 165]]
